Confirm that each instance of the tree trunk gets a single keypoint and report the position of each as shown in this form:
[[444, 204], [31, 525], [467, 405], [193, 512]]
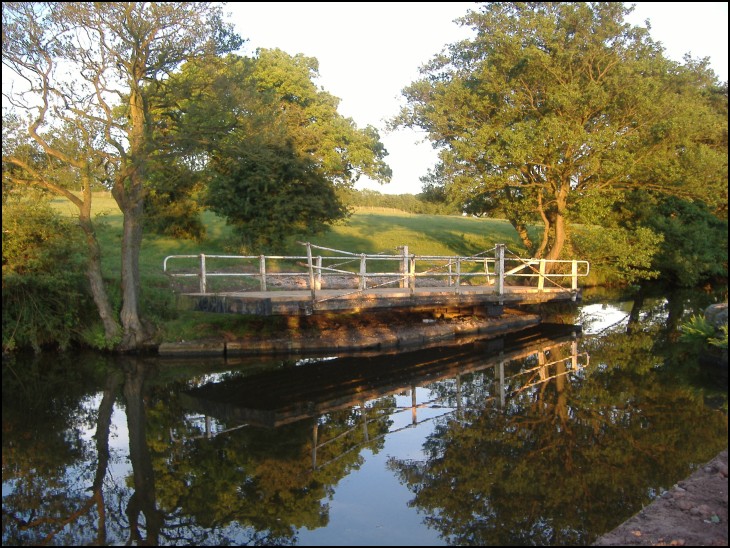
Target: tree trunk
[[559, 241], [143, 502], [521, 229], [129, 194], [546, 228], [559, 223], [134, 334], [98, 289]]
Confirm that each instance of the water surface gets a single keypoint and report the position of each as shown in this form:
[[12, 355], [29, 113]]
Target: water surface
[[552, 436]]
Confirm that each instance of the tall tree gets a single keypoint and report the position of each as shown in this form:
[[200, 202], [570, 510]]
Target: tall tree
[[90, 66], [551, 102], [271, 146]]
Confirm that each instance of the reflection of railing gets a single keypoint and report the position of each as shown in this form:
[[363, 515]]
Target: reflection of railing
[[371, 271], [319, 388]]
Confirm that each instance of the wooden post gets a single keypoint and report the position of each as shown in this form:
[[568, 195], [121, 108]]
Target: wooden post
[[500, 380], [414, 405], [203, 281], [541, 279], [262, 271], [363, 411], [315, 427], [574, 275]]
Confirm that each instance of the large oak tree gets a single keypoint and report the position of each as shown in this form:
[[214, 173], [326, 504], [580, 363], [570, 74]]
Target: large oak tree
[[553, 103]]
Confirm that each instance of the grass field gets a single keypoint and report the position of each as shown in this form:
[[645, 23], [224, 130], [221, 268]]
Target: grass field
[[368, 230]]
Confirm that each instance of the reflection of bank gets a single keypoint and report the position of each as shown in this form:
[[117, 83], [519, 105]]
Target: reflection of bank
[[518, 362]]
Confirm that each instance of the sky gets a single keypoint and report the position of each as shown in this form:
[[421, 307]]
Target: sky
[[369, 51]]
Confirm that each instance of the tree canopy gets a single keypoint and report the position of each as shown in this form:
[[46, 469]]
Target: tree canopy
[[553, 103], [272, 148]]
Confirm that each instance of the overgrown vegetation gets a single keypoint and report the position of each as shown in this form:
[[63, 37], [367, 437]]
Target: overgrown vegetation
[[45, 299]]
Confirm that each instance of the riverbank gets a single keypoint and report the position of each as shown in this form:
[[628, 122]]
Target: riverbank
[[373, 332], [692, 513]]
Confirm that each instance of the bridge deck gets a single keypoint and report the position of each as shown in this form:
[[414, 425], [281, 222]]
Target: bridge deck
[[304, 302], [423, 281]]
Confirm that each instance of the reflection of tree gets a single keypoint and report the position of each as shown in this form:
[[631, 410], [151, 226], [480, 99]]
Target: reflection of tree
[[543, 470], [45, 498], [260, 481], [248, 486], [142, 501]]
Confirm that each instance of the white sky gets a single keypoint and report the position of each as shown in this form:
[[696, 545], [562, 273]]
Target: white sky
[[369, 51]]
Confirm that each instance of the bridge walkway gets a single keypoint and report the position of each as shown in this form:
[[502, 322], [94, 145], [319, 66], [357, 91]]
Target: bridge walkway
[[341, 281]]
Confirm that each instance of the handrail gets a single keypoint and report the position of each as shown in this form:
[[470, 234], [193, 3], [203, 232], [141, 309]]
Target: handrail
[[403, 269]]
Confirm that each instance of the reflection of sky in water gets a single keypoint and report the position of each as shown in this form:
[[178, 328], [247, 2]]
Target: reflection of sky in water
[[594, 318], [119, 465]]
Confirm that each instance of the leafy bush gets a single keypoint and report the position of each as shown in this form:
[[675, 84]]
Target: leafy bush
[[44, 275]]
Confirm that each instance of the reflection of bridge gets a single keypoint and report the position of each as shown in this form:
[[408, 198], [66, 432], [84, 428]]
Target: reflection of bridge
[[317, 387], [343, 281]]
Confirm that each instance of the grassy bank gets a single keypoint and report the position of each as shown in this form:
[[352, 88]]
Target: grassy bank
[[368, 230]]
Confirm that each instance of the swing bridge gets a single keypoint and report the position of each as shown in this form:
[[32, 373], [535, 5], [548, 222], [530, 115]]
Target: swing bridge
[[331, 280]]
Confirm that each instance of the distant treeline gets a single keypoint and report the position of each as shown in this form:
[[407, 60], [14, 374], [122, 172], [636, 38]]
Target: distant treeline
[[410, 203]]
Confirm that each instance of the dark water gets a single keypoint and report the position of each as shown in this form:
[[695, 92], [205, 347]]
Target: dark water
[[550, 437]]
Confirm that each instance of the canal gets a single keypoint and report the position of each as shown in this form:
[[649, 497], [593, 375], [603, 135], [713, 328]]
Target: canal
[[551, 436]]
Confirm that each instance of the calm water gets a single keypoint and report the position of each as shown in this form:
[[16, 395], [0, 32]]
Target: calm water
[[550, 437]]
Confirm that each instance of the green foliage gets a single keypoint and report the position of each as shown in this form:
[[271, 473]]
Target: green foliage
[[721, 341], [695, 241], [270, 195], [639, 235], [698, 330], [256, 108], [171, 207], [621, 255], [553, 100], [44, 284]]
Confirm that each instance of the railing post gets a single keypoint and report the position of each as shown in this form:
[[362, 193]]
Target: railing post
[[404, 268], [363, 269], [451, 282], [458, 276], [541, 279], [574, 280], [262, 271], [311, 271], [574, 275], [412, 274], [203, 284], [319, 272], [499, 267]]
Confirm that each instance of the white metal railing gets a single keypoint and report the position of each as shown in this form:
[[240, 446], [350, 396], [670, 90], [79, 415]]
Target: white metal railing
[[395, 270]]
